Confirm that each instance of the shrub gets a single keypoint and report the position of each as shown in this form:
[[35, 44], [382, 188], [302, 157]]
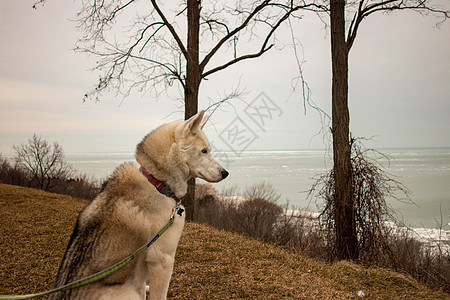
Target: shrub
[[43, 162], [263, 219], [257, 218], [14, 175], [255, 215], [79, 187], [372, 186]]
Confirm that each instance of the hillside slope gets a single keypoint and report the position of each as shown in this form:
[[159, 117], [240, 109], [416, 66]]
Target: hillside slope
[[210, 264]]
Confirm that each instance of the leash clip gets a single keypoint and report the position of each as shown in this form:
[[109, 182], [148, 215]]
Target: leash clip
[[177, 210]]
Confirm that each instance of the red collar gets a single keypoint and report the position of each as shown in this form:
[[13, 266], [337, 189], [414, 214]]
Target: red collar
[[160, 186]]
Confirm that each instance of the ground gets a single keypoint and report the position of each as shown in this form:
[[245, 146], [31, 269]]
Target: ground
[[35, 227]]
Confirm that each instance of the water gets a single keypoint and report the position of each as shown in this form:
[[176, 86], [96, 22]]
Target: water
[[98, 165], [425, 172]]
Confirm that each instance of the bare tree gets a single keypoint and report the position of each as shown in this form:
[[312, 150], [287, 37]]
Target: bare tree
[[343, 35], [44, 162], [150, 46]]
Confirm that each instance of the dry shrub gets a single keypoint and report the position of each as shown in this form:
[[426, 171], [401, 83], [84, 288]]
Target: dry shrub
[[257, 215], [254, 215], [262, 190], [44, 162], [80, 186], [42, 165], [430, 265], [206, 195], [204, 192], [10, 174], [302, 234], [257, 218], [372, 186], [378, 243]]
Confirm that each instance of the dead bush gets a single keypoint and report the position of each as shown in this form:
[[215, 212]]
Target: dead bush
[[429, 265], [13, 174], [44, 162], [79, 187], [257, 218], [255, 215], [302, 234], [262, 190], [372, 186], [381, 244]]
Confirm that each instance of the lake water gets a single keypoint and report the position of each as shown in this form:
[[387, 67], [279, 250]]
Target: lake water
[[425, 172]]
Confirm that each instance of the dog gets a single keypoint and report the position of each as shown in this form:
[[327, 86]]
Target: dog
[[131, 208]]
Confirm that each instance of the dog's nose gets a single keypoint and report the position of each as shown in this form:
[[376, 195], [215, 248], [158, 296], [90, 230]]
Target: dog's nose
[[224, 174]]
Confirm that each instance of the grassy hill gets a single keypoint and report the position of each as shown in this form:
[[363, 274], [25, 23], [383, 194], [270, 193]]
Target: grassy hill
[[210, 264]]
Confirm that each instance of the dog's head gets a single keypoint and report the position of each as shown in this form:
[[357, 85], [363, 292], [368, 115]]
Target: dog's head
[[195, 149]]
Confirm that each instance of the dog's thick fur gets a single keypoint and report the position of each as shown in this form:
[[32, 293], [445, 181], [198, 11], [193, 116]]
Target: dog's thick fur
[[130, 211]]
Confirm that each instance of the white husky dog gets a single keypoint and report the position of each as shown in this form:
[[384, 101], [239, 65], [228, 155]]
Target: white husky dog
[[133, 206]]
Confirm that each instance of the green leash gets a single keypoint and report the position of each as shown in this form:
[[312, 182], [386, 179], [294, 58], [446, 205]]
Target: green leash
[[104, 273]]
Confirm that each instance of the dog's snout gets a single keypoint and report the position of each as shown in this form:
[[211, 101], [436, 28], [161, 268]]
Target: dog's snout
[[224, 174]]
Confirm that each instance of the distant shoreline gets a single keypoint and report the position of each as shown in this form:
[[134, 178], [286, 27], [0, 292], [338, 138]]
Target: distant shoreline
[[273, 150], [131, 152]]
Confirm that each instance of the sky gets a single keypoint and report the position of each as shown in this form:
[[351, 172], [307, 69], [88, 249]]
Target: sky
[[399, 88]]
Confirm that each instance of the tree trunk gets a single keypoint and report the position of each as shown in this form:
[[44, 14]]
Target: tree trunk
[[193, 78], [346, 239]]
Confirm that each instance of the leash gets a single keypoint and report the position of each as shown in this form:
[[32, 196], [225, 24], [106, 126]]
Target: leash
[[108, 271]]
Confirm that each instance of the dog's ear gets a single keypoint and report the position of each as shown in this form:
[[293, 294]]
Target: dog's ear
[[204, 121], [191, 125]]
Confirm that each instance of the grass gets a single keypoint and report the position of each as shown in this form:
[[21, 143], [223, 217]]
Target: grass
[[210, 264]]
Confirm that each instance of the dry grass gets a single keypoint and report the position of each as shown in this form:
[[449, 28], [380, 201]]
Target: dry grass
[[223, 265], [210, 264], [35, 227]]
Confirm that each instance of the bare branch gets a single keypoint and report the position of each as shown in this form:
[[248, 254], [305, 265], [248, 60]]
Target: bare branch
[[116, 11], [171, 29], [238, 59], [357, 18], [235, 93], [151, 36], [229, 35], [211, 22], [264, 48], [390, 6], [41, 2]]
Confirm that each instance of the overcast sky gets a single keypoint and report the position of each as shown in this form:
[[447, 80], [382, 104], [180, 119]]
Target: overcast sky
[[399, 87]]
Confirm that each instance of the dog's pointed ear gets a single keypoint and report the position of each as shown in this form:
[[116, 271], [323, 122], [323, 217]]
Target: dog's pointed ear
[[204, 121], [191, 125], [194, 123]]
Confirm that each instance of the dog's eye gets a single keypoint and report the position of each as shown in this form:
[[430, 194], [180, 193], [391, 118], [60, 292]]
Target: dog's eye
[[204, 151]]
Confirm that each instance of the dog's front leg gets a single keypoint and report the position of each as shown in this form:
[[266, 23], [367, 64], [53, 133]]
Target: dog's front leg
[[160, 270]]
